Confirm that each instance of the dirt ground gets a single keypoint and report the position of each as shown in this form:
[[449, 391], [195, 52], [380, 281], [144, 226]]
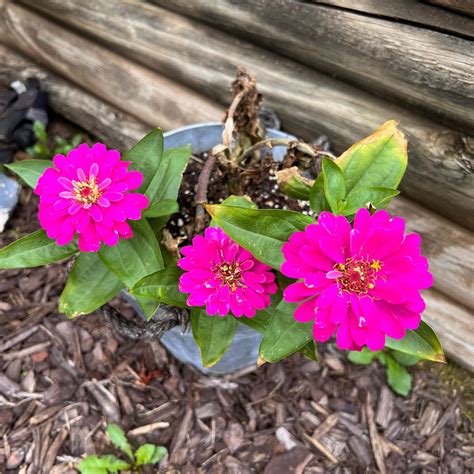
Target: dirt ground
[[61, 381]]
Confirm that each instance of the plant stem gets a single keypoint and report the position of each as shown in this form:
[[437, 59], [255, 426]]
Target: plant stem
[[272, 142], [269, 143], [201, 192]]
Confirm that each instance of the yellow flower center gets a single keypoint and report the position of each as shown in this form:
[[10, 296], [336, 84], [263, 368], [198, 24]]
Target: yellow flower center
[[86, 192], [358, 276], [230, 274]]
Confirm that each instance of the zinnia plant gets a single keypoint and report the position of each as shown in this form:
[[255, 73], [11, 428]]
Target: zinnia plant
[[346, 271]]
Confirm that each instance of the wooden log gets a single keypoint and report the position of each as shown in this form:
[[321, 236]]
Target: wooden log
[[422, 67], [454, 325], [107, 123], [309, 103], [148, 96], [413, 12], [461, 6]]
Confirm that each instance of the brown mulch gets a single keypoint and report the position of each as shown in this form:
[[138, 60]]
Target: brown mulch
[[61, 381]]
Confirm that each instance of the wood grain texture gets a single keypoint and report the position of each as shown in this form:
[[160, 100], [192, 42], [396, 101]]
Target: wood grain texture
[[424, 68], [136, 90], [104, 121], [461, 6], [414, 12], [440, 167]]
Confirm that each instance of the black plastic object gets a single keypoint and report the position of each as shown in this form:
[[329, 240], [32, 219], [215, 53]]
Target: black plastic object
[[20, 106]]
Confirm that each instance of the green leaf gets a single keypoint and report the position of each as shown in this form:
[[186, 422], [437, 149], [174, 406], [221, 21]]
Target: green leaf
[[166, 181], [259, 322], [30, 170], [263, 317], [378, 196], [133, 259], [378, 160], [363, 357], [150, 454], [34, 250], [317, 198], [146, 157], [119, 440], [309, 351], [162, 208], [40, 131], [162, 286], [262, 232], [334, 185], [149, 306], [239, 201], [90, 285], [397, 376], [102, 465], [213, 334], [404, 359], [293, 184], [422, 343], [284, 335]]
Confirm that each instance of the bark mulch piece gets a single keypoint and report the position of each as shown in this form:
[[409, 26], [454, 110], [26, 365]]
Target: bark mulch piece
[[61, 381]]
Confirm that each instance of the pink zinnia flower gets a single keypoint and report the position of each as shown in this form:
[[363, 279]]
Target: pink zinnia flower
[[224, 277], [363, 282], [87, 193]]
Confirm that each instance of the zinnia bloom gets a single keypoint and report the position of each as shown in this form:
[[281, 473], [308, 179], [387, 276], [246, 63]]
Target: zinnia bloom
[[224, 277], [88, 193], [363, 282]]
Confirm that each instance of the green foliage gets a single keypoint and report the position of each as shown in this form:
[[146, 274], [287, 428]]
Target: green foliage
[[133, 259], [284, 335], [296, 186], [102, 465], [368, 173], [162, 286], [146, 454], [90, 285], [119, 440], [317, 198], [334, 185], [213, 334], [398, 378], [150, 454], [364, 357], [162, 208], [30, 170], [34, 250], [262, 232], [422, 343], [41, 149]]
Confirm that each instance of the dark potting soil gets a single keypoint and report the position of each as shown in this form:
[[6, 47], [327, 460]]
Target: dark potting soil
[[260, 184]]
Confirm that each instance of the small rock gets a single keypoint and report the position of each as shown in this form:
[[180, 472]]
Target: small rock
[[39, 356], [285, 438], [233, 436], [9, 192], [16, 458]]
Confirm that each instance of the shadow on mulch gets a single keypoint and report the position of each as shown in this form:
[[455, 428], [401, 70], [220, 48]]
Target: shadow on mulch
[[60, 381]]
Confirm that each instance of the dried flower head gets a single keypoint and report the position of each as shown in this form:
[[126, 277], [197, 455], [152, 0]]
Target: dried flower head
[[224, 277], [362, 283], [88, 193]]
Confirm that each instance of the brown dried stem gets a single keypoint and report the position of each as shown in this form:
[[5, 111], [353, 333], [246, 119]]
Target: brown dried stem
[[288, 142], [201, 193]]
